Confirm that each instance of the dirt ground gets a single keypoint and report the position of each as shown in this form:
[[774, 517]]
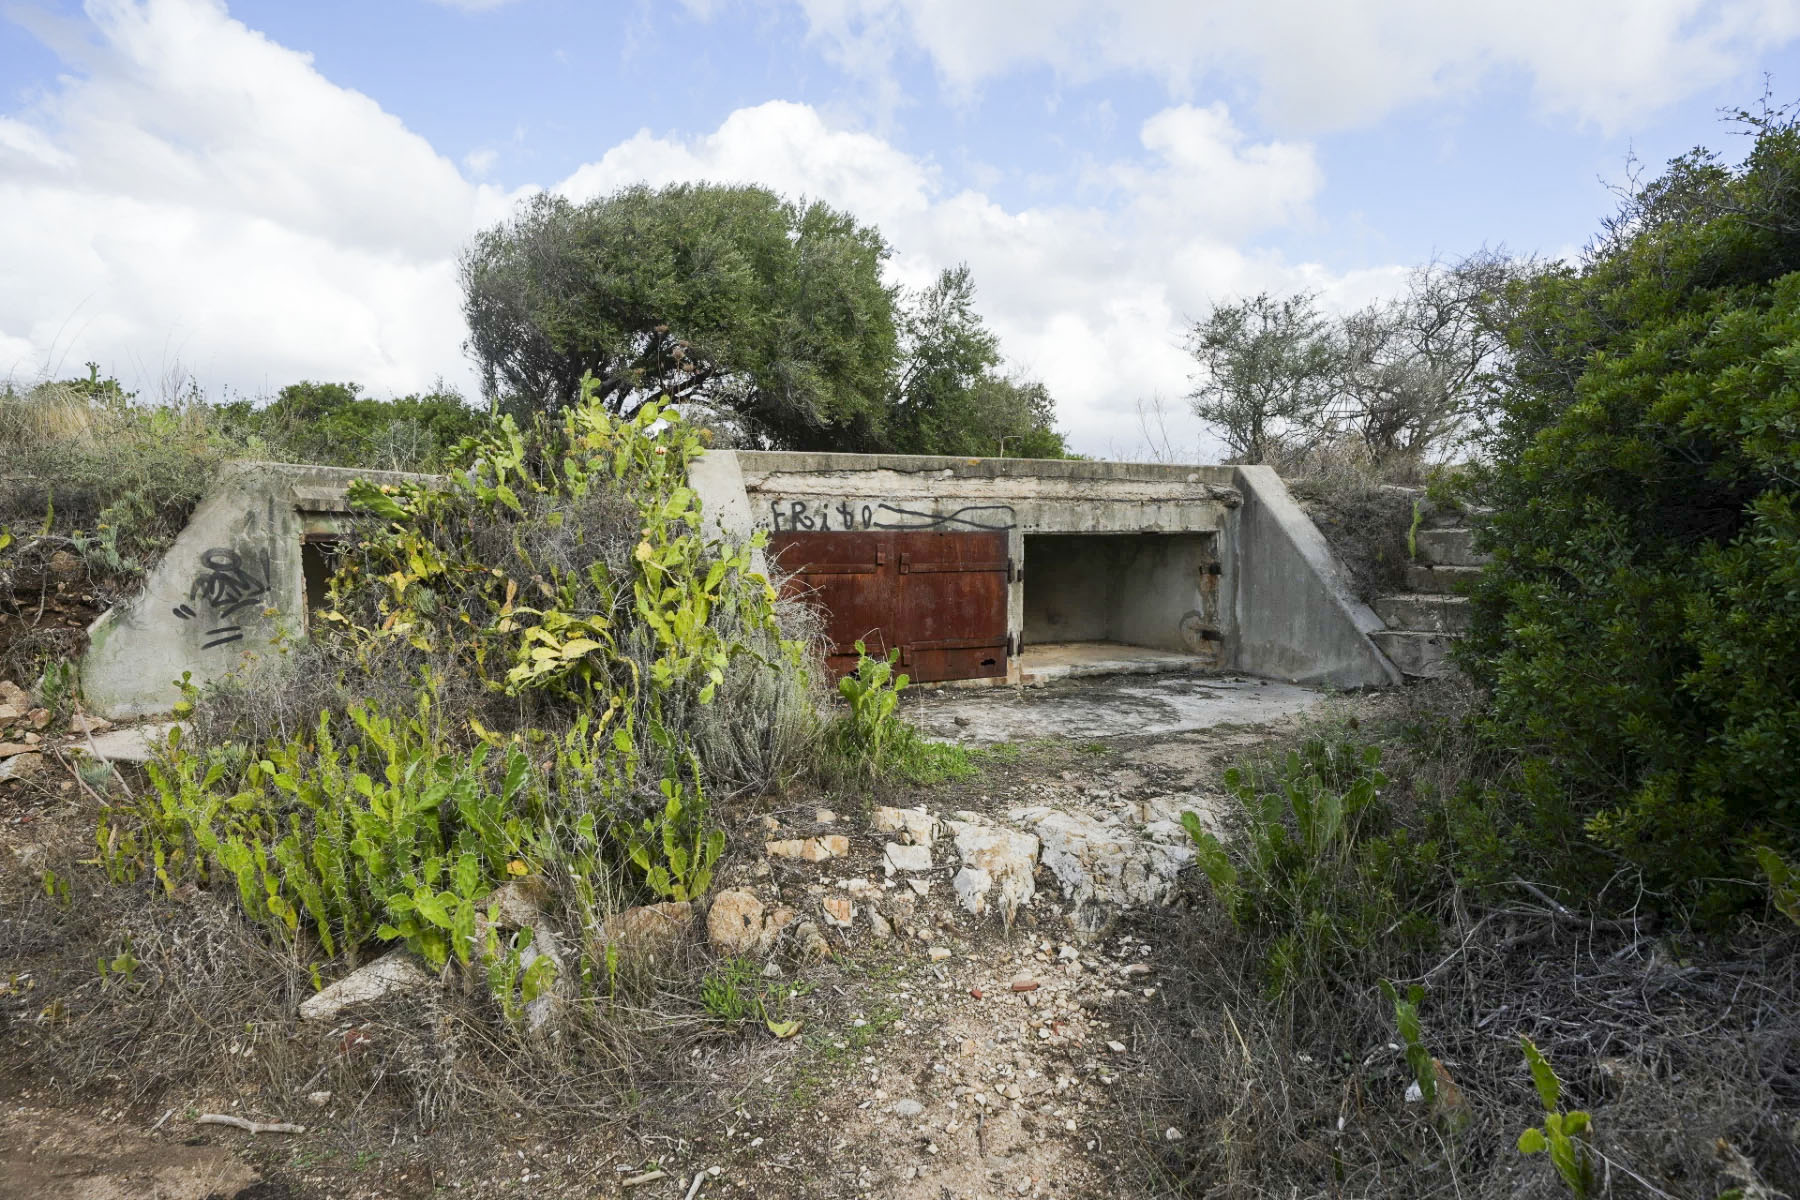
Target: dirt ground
[[940, 1054]]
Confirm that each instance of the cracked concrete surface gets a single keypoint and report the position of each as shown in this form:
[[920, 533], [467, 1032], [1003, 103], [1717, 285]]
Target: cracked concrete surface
[[1124, 706]]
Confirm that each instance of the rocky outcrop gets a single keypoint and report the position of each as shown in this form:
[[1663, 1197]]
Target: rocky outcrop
[[1103, 867]]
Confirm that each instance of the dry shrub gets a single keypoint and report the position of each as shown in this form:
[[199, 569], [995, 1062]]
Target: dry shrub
[[206, 1013], [1364, 507], [1305, 1097]]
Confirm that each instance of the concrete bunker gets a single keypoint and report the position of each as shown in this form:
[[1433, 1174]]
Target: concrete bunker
[[1107, 566], [976, 570]]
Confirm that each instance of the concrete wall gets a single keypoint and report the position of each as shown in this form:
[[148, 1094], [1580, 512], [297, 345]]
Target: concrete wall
[[1068, 588], [228, 590], [1294, 616], [1163, 593]]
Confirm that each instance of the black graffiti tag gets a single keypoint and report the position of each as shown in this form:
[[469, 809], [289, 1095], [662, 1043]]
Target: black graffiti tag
[[226, 586]]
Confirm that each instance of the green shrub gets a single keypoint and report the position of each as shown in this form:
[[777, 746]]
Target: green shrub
[[334, 424], [871, 740], [1638, 625], [557, 621], [1320, 868]]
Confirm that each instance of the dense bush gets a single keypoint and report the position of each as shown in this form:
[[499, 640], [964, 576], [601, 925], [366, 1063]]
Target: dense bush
[[542, 672], [1322, 869], [86, 470], [1640, 624], [336, 425]]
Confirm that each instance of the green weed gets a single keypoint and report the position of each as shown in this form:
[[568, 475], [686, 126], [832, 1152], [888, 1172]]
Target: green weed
[[1563, 1135]]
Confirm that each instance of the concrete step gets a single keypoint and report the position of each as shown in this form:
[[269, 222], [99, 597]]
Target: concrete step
[[1424, 613], [1419, 655], [1449, 548], [1438, 581]]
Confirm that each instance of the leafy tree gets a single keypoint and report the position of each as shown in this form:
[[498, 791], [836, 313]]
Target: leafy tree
[[950, 397], [728, 299], [1270, 369], [1640, 624]]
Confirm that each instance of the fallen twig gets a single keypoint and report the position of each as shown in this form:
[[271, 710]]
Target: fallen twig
[[161, 1119], [76, 775], [694, 1187], [95, 751], [250, 1127], [646, 1177]]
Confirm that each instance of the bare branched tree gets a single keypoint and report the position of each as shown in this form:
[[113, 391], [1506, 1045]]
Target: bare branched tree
[[1270, 369], [1413, 367], [1405, 379]]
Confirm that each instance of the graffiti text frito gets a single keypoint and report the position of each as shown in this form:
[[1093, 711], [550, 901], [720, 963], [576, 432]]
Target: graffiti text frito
[[825, 516]]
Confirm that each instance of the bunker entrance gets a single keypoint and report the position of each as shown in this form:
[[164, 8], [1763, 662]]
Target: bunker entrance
[[318, 562], [1100, 603]]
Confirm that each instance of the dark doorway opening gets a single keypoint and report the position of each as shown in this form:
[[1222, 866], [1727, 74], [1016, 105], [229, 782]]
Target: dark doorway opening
[[318, 562], [1101, 599]]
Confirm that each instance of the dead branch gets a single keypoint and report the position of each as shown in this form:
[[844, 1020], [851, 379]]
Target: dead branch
[[250, 1127]]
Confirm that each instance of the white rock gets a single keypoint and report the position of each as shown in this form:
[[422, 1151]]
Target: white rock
[[907, 858], [972, 886], [920, 886], [914, 825], [908, 1108], [1103, 868], [391, 975], [1006, 856]]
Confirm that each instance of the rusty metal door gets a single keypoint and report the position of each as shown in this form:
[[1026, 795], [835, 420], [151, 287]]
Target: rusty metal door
[[939, 598]]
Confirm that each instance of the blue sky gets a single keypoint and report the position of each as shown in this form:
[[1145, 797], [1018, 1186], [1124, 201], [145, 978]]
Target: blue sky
[[243, 195]]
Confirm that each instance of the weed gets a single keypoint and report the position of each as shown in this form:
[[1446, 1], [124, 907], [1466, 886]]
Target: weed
[[872, 727], [1406, 1021], [1563, 1135], [733, 991]]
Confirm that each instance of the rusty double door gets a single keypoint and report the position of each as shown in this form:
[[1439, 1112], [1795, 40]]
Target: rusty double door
[[938, 598]]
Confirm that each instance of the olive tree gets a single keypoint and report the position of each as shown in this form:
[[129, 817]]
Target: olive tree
[[727, 299]]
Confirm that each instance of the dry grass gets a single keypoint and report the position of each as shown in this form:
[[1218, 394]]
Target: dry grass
[[209, 1011], [1684, 1046]]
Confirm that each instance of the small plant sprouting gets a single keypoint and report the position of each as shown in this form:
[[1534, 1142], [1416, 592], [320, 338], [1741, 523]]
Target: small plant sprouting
[[1406, 1020], [1564, 1135], [1784, 883], [1412, 532], [122, 965], [56, 887]]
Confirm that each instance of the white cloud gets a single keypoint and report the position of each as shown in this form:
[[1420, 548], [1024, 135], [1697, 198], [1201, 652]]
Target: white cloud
[[1326, 64], [202, 196]]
